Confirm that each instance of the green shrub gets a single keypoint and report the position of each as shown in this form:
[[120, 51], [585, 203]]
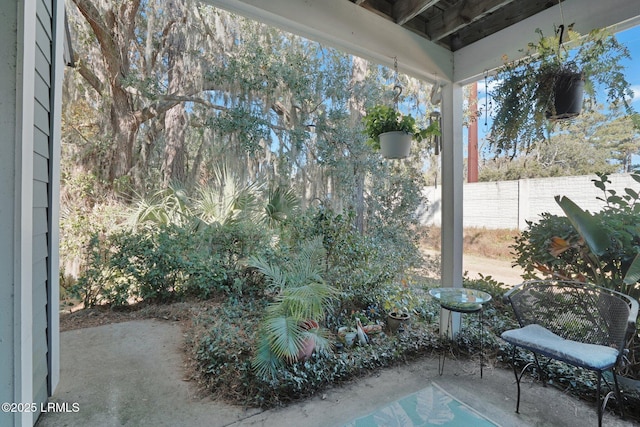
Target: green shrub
[[357, 263], [91, 288], [553, 246], [531, 247], [168, 262]]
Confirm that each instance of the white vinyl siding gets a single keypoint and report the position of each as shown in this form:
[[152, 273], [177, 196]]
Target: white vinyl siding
[[41, 198]]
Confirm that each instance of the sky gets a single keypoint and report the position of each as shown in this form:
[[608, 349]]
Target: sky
[[630, 38]]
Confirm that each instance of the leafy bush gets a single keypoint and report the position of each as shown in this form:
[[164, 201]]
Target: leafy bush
[[553, 246], [84, 211], [357, 263], [167, 262], [93, 284]]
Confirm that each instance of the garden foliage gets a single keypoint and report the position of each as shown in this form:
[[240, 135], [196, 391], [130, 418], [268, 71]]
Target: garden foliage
[[167, 263], [553, 246], [223, 340]]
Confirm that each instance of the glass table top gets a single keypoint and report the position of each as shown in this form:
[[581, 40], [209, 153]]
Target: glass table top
[[460, 299]]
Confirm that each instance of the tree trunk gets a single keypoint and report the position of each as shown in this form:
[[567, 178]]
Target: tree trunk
[[125, 129], [113, 31], [358, 74], [173, 164]]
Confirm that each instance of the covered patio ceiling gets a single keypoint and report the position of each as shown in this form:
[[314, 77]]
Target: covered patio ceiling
[[452, 40], [455, 24]]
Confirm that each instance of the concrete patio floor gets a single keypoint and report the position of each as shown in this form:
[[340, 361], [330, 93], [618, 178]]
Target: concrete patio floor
[[133, 374]]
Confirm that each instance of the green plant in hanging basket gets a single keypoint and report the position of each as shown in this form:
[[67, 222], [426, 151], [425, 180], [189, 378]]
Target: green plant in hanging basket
[[382, 118], [525, 94]]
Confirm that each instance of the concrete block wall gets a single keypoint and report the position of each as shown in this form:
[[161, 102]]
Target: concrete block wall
[[509, 204]]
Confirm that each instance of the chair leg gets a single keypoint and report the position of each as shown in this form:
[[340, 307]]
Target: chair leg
[[518, 375], [515, 372], [600, 408], [442, 356], [618, 394], [614, 391], [541, 372], [481, 341]]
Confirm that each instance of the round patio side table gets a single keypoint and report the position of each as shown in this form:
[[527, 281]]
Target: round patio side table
[[465, 301]]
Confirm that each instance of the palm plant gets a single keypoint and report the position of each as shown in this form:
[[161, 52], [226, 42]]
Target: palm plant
[[281, 203], [226, 199], [167, 206], [301, 298]]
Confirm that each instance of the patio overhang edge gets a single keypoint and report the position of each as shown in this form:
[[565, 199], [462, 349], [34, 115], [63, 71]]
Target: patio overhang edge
[[352, 29]]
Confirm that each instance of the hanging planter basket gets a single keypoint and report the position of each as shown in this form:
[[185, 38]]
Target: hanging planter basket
[[395, 145], [568, 94]]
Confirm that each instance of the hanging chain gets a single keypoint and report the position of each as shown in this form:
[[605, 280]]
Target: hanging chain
[[397, 87]]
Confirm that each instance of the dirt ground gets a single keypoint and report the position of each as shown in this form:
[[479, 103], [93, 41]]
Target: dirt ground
[[180, 312], [500, 270], [474, 265]]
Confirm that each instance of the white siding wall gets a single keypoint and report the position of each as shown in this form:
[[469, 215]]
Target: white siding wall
[[509, 204], [41, 189], [30, 89], [8, 61]]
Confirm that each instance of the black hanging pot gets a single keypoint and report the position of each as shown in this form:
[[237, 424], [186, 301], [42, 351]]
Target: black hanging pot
[[568, 89]]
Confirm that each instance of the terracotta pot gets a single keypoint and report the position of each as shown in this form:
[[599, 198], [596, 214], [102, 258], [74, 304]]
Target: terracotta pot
[[395, 320], [309, 344], [310, 324]]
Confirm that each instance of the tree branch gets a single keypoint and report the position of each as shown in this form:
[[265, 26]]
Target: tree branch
[[167, 102], [103, 35], [90, 77]]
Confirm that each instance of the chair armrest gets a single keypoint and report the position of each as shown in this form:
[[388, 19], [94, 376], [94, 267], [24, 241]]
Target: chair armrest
[[633, 315], [506, 297]]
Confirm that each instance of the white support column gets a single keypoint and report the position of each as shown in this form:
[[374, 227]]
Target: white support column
[[452, 180]]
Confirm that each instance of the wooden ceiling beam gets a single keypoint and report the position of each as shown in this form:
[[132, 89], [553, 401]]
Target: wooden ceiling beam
[[405, 10], [454, 19], [379, 7]]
